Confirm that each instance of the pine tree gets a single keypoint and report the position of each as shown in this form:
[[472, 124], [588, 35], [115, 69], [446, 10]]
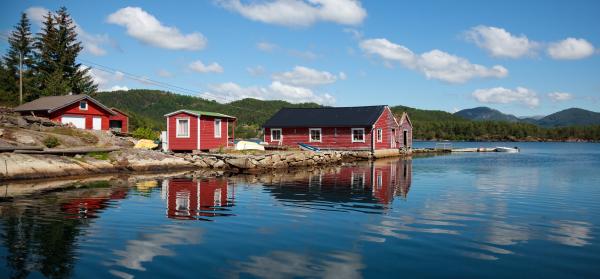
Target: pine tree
[[57, 48], [45, 55], [20, 49], [78, 78]]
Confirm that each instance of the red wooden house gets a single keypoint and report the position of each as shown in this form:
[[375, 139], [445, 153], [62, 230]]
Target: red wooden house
[[81, 111], [189, 130], [357, 128]]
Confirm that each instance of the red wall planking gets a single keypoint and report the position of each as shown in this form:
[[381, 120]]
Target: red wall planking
[[182, 144], [74, 110]]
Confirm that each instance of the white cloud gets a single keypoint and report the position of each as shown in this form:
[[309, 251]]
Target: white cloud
[[342, 76], [266, 46], [164, 73], [117, 88], [499, 42], [299, 12], [570, 48], [92, 43], [147, 29], [227, 92], [434, 64], [560, 96], [256, 71], [303, 76], [501, 95], [198, 66]]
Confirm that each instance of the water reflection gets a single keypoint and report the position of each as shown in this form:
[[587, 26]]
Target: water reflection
[[40, 234], [285, 264], [190, 199], [375, 182]]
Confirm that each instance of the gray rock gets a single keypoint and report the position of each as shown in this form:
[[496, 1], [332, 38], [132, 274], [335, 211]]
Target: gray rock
[[219, 164], [25, 139], [240, 163]]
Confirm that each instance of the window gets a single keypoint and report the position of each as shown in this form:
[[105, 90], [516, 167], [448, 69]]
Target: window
[[83, 105], [379, 135], [315, 135], [217, 128], [183, 128], [275, 134], [357, 180], [358, 134]]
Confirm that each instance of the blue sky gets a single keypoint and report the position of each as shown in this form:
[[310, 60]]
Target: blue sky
[[522, 57]]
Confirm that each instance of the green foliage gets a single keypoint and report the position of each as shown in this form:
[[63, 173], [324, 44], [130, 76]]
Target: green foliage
[[148, 107], [145, 133], [51, 142], [98, 155]]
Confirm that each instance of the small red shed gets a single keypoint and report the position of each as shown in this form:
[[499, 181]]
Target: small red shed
[[343, 128], [189, 130], [81, 111], [119, 122]]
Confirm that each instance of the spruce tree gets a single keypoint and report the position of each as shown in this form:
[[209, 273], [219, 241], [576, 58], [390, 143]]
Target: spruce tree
[[57, 48], [45, 56], [20, 49], [78, 78]]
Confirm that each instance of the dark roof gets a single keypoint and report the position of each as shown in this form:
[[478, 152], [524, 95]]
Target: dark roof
[[325, 117], [53, 103]]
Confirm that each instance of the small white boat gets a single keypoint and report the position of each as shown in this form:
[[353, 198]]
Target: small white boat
[[507, 149], [248, 145]]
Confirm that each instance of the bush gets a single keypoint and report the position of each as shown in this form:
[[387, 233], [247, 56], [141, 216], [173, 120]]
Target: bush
[[145, 133], [51, 142]]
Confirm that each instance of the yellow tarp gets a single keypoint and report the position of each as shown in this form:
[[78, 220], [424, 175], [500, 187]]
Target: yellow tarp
[[145, 144]]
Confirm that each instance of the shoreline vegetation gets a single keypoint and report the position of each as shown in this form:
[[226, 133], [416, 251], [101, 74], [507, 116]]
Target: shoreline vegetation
[[147, 107]]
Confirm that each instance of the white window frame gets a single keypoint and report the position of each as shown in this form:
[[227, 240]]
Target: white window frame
[[218, 127], [379, 132], [280, 134], [177, 135], [310, 135], [86, 105], [357, 129]]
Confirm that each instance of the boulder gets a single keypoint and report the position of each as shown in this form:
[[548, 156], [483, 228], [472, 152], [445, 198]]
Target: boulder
[[24, 139], [219, 164], [240, 163]]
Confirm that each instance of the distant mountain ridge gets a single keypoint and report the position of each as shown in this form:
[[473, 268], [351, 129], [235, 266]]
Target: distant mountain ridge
[[486, 114], [563, 118]]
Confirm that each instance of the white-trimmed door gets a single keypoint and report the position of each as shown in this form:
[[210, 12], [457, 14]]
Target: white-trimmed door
[[77, 121], [97, 123]]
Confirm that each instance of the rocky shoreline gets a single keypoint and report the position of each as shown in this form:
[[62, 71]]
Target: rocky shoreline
[[15, 166]]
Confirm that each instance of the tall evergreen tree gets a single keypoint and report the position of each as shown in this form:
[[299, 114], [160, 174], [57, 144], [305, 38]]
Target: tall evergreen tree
[[78, 78], [20, 50], [57, 48]]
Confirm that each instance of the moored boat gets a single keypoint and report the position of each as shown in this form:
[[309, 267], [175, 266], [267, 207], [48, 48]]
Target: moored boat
[[507, 149]]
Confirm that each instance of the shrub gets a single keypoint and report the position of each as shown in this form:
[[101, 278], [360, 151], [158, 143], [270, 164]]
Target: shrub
[[51, 142], [145, 133]]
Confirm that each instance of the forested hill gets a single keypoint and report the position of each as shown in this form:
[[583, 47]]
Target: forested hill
[[148, 107]]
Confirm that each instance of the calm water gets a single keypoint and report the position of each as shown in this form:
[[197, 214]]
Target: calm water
[[534, 214]]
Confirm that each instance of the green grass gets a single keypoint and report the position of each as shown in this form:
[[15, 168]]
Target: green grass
[[98, 155]]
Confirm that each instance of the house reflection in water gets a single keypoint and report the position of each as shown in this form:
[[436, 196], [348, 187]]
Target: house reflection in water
[[374, 182], [89, 205], [190, 199]]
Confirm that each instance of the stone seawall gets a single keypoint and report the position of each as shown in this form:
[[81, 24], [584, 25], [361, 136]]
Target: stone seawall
[[278, 160]]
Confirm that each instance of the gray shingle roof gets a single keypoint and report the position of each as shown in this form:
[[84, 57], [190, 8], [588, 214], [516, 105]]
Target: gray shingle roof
[[325, 117], [53, 103]]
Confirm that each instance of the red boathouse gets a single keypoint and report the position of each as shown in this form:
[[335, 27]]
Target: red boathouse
[[81, 111], [373, 128], [189, 130]]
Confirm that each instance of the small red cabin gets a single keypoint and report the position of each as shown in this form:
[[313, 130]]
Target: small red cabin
[[189, 130], [352, 128], [81, 111], [119, 122]]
